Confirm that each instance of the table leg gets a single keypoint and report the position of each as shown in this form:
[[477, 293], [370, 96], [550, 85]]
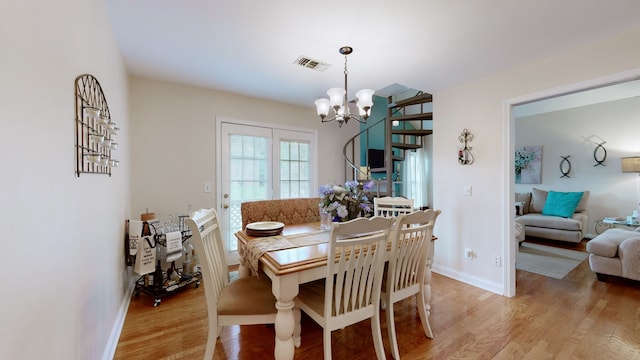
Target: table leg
[[285, 289], [243, 271]]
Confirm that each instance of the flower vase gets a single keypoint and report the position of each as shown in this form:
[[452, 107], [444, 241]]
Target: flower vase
[[518, 177], [325, 219]]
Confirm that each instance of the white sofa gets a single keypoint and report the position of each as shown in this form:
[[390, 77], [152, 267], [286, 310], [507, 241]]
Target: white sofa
[[538, 225], [615, 252]]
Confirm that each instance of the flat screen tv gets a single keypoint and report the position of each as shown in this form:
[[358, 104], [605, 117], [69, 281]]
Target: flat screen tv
[[375, 158]]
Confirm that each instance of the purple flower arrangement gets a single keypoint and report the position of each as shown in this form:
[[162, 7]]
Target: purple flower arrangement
[[347, 202]]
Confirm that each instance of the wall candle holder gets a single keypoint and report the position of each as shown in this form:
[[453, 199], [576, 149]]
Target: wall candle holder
[[565, 166], [600, 154], [94, 128], [465, 156]]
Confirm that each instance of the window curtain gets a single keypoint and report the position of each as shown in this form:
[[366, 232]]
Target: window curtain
[[415, 177]]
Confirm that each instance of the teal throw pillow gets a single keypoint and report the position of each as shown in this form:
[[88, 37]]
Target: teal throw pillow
[[561, 204]]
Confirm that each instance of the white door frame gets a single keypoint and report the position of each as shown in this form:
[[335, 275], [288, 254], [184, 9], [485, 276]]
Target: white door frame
[[509, 251], [277, 129]]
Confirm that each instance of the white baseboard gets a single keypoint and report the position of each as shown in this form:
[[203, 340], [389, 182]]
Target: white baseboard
[[469, 279], [112, 344]]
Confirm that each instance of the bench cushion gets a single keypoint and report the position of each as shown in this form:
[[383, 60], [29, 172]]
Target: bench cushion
[[552, 222]]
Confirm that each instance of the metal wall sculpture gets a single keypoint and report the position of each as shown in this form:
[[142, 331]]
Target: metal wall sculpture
[[465, 156], [565, 166], [94, 128]]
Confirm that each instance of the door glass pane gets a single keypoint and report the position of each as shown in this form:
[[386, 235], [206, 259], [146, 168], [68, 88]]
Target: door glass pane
[[248, 177], [294, 169]]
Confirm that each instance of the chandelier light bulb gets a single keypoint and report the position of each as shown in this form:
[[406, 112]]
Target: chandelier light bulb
[[365, 98], [361, 111], [336, 96], [322, 107]]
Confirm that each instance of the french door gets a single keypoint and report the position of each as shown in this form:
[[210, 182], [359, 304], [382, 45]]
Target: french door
[[258, 161]]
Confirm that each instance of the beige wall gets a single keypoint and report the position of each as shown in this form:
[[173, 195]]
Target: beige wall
[[173, 144], [63, 278], [482, 221]]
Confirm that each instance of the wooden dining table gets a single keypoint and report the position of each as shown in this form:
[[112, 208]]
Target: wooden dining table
[[302, 262]]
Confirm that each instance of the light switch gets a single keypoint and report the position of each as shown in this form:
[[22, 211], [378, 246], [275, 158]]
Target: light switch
[[207, 187], [467, 190]]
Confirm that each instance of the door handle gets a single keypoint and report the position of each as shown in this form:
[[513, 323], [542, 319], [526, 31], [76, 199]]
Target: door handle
[[225, 206]]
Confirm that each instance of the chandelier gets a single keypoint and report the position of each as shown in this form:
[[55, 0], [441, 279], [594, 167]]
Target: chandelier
[[338, 100]]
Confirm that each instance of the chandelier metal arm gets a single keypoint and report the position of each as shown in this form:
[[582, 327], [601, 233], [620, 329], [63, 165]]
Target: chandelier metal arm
[[345, 118]]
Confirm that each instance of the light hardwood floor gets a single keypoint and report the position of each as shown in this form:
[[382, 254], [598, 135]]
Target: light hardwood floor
[[577, 317]]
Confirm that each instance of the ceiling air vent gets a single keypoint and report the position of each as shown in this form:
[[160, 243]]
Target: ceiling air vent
[[311, 63]]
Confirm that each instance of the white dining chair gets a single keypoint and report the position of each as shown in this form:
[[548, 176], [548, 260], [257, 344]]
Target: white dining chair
[[350, 293], [410, 244], [388, 206], [244, 301]]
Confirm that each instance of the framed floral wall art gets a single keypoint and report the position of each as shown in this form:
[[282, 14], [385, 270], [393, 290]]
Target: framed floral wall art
[[528, 164]]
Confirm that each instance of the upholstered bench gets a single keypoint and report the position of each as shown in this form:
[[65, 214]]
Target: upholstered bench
[[615, 252], [286, 211]]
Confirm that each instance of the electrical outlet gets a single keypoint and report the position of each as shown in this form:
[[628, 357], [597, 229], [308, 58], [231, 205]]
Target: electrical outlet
[[468, 254], [497, 261], [467, 190]]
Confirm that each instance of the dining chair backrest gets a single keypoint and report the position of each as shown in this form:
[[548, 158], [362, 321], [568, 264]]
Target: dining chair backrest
[[286, 211], [392, 206], [410, 246], [354, 280], [206, 238]]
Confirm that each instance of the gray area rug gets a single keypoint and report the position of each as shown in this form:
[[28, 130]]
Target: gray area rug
[[547, 260]]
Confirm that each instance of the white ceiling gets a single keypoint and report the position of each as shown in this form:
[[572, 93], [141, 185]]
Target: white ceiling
[[249, 46]]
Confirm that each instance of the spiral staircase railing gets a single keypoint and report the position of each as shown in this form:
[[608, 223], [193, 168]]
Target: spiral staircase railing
[[410, 138]]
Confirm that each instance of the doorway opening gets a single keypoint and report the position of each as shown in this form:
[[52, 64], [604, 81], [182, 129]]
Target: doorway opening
[[512, 109]]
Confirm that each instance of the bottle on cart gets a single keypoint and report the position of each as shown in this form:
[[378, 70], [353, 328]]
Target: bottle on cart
[[158, 278], [195, 267], [186, 264], [174, 277], [169, 275]]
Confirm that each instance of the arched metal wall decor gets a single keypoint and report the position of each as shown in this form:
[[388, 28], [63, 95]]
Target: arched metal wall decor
[[565, 166], [600, 154], [465, 156], [94, 128]]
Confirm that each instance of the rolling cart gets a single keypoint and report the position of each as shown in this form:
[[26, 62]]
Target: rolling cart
[[165, 282]]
